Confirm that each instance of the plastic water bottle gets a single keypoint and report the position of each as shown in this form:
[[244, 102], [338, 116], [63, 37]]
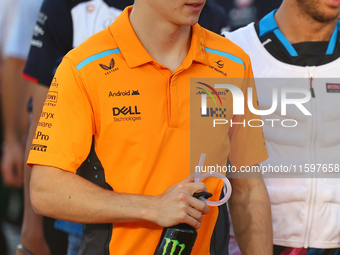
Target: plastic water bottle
[[179, 239]]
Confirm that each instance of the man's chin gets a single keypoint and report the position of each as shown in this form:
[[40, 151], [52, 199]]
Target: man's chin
[[326, 18]]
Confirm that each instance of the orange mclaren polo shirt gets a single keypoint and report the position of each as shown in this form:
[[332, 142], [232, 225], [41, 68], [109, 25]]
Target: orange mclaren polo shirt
[[139, 114]]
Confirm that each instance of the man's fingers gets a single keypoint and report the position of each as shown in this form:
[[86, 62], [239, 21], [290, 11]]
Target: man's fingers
[[188, 179], [191, 216], [197, 187], [10, 177], [191, 187], [197, 215], [193, 203], [199, 205], [180, 205], [192, 222], [186, 191]]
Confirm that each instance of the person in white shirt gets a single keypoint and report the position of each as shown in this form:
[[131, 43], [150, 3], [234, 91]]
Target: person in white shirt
[[300, 40]]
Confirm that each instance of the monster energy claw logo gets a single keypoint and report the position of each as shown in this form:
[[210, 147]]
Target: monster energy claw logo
[[174, 246]]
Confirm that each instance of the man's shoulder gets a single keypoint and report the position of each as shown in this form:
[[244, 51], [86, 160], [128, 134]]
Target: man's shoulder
[[222, 44], [241, 34], [97, 44]]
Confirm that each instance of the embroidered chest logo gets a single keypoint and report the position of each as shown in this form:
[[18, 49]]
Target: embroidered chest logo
[[220, 65], [110, 68]]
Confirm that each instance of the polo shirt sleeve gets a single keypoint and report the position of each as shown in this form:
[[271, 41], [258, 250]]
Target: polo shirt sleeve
[[64, 133], [52, 39], [247, 142]]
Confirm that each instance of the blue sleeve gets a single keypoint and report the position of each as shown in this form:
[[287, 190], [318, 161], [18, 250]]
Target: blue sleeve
[[52, 39], [69, 227]]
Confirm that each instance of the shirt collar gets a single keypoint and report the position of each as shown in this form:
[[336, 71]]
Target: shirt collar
[[197, 50], [134, 52]]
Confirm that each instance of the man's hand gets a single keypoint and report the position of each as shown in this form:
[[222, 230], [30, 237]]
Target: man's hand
[[177, 205], [36, 246], [12, 163]]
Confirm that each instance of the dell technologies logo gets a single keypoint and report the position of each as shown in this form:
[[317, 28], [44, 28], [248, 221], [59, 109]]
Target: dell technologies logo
[[131, 110]]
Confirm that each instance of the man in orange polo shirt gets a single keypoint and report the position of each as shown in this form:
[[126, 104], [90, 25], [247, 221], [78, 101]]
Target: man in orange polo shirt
[[129, 87]]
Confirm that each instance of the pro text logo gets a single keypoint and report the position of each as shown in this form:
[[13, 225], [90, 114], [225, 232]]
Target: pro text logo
[[41, 136]]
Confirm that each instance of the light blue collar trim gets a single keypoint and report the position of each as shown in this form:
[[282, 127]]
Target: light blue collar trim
[[268, 24], [332, 41]]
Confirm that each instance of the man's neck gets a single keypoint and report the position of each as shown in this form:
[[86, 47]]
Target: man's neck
[[168, 44], [299, 27]]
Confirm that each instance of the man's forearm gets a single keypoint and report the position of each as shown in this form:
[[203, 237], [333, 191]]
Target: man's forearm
[[72, 198], [250, 211], [67, 196], [32, 234], [14, 99]]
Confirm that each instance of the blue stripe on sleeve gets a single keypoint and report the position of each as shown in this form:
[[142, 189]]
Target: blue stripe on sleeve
[[97, 56], [227, 55]]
